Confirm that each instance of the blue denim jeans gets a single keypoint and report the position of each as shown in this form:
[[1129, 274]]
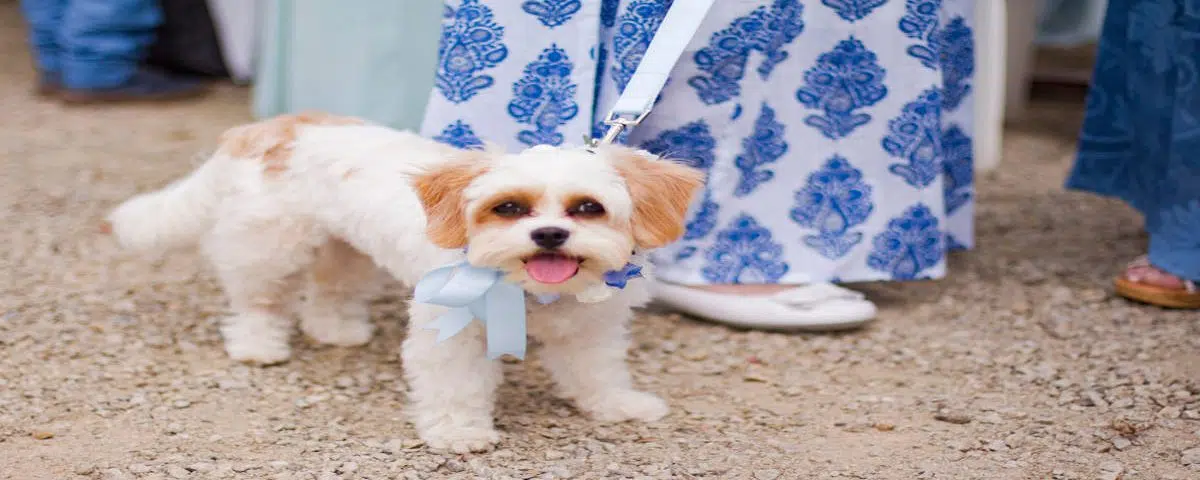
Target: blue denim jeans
[[91, 43], [1141, 133]]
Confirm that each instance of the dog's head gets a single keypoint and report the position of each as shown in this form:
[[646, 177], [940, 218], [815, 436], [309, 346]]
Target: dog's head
[[556, 219]]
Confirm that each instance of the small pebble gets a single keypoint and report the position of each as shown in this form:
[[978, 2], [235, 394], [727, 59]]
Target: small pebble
[[42, 434], [176, 471], [1112, 467], [412, 443], [957, 418], [991, 418], [114, 474], [694, 355], [202, 467], [1093, 295], [766, 475], [960, 444], [456, 466], [1111, 471], [1190, 456], [393, 446], [1123, 426], [1121, 443]]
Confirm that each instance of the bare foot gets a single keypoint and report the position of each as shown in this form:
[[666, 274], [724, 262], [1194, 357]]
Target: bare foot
[[1143, 282], [1141, 271]]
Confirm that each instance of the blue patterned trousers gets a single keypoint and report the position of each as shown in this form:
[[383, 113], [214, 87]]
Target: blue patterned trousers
[[1141, 136]]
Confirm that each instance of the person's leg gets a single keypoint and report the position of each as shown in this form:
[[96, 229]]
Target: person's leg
[[103, 44], [45, 19], [1175, 240], [801, 193], [105, 40], [375, 61], [1137, 144], [1169, 274]]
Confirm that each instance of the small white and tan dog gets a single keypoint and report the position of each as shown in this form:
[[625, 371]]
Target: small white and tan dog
[[325, 199]]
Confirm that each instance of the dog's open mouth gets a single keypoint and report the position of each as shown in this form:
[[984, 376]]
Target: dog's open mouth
[[551, 267]]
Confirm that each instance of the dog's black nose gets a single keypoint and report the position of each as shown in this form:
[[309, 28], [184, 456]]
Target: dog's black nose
[[549, 237]]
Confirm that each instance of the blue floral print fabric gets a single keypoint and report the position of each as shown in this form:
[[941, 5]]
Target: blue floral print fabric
[[836, 133]]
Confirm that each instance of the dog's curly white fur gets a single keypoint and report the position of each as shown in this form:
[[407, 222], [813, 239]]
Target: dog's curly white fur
[[325, 199]]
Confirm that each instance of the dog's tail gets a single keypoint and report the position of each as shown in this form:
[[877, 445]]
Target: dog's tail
[[173, 217]]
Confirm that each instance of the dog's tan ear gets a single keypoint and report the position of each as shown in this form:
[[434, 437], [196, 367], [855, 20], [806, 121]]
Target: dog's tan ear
[[441, 193], [661, 191]]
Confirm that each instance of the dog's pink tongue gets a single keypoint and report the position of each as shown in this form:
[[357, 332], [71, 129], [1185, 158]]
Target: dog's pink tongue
[[551, 268]]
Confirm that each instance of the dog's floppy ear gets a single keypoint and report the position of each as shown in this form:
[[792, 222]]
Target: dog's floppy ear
[[661, 191], [441, 193]]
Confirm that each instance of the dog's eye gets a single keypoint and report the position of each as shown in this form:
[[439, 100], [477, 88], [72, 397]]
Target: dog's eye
[[586, 208], [510, 209]]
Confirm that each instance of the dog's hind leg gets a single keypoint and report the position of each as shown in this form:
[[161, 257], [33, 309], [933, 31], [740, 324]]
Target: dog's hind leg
[[259, 262], [340, 282]]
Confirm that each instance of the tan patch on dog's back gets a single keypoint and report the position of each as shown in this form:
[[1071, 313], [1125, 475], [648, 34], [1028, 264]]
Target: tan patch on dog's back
[[271, 140]]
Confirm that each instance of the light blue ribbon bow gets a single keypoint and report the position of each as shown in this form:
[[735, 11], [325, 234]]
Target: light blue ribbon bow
[[473, 292]]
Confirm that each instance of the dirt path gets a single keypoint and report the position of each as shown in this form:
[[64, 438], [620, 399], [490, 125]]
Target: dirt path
[[1021, 365]]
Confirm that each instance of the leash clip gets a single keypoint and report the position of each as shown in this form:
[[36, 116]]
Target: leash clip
[[617, 123]]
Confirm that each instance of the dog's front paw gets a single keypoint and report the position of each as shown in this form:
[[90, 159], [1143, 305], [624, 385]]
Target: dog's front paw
[[622, 405], [339, 332], [251, 338], [264, 352], [461, 439]]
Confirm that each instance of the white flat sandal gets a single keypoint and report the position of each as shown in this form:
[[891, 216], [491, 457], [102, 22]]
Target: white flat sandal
[[818, 307]]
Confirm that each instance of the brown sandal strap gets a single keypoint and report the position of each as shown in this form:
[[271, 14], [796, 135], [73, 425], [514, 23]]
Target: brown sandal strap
[[1139, 262]]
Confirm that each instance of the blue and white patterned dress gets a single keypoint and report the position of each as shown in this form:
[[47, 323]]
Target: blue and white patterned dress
[[836, 133]]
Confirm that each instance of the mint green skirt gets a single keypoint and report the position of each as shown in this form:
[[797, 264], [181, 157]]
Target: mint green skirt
[[375, 59]]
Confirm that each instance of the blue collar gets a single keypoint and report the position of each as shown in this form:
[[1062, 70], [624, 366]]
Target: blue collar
[[619, 278], [481, 293]]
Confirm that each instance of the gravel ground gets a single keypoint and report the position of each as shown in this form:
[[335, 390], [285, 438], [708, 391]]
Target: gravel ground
[[1021, 365]]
